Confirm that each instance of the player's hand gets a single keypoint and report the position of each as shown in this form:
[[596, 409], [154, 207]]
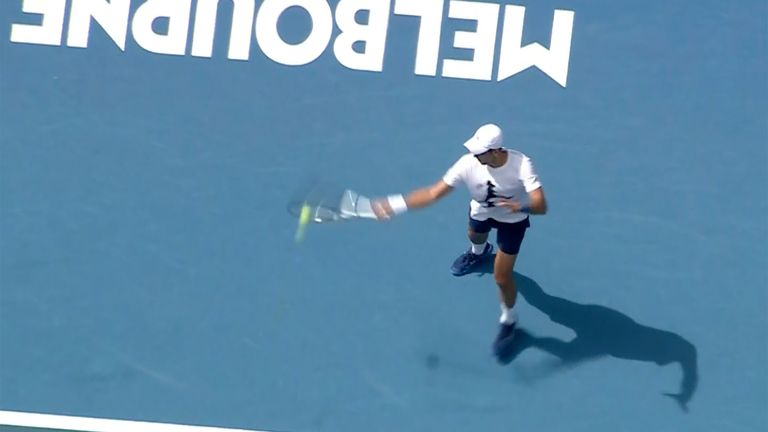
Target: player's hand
[[382, 209], [511, 205]]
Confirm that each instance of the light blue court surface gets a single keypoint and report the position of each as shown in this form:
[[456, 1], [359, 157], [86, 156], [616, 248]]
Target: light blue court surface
[[148, 269]]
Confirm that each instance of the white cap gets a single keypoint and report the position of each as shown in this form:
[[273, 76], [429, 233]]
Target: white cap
[[487, 137]]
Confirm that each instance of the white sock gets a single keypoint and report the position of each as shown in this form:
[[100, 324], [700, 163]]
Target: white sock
[[478, 249], [508, 315]]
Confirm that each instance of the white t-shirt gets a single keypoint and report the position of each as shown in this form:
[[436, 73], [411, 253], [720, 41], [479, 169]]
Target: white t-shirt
[[513, 180]]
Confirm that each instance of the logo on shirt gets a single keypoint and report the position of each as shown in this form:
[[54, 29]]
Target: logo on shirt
[[490, 194]]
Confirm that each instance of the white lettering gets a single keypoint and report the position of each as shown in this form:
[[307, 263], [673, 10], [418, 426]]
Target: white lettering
[[163, 27], [49, 32], [302, 53], [482, 42], [515, 58], [374, 34], [111, 16], [174, 42], [240, 36], [428, 47]]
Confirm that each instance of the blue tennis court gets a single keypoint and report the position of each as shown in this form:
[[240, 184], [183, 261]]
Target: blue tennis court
[[148, 269]]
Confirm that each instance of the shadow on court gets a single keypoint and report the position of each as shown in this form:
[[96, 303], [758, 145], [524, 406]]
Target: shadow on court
[[600, 332]]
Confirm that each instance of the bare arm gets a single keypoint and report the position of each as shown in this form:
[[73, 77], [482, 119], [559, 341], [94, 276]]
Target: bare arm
[[428, 195], [419, 198], [537, 203]]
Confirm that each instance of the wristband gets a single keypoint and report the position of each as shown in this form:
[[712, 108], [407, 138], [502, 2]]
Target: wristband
[[397, 202], [525, 209]]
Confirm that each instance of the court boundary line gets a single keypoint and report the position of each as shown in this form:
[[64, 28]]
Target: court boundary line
[[89, 424]]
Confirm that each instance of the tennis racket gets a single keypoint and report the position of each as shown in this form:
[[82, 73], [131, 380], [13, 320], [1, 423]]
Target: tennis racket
[[326, 204]]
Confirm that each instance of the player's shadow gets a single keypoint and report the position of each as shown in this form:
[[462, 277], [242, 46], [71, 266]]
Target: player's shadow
[[601, 332]]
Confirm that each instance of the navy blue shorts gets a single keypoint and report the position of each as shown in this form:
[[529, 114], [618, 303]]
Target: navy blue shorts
[[509, 235]]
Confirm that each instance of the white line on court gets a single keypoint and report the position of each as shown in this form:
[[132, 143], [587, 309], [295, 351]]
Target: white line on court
[[84, 424]]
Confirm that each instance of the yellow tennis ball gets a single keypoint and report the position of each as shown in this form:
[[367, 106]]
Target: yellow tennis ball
[[306, 215], [304, 218]]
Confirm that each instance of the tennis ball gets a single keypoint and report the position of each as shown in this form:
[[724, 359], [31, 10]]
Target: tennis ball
[[304, 218], [306, 215]]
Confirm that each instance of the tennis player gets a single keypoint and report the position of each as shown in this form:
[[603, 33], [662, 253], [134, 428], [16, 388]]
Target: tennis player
[[505, 190]]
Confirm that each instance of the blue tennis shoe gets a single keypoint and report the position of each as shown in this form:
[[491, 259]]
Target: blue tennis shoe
[[468, 261], [503, 342]]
